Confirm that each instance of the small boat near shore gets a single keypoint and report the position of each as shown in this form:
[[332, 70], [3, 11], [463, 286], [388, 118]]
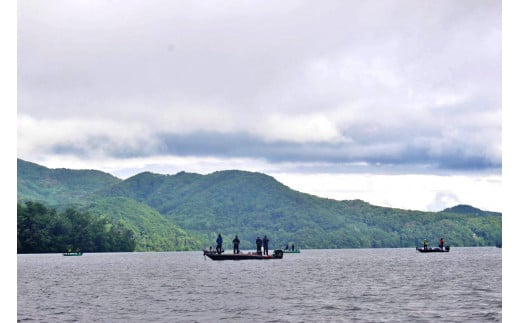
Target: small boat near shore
[[291, 251], [213, 255], [73, 253], [436, 249]]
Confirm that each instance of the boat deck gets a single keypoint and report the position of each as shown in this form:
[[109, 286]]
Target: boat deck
[[213, 255]]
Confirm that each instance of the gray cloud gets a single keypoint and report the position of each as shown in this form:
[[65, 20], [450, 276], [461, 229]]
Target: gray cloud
[[396, 83], [336, 156]]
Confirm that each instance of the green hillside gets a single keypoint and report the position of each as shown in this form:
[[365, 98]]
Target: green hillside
[[469, 210], [187, 211], [253, 204], [58, 186], [65, 188], [153, 232]]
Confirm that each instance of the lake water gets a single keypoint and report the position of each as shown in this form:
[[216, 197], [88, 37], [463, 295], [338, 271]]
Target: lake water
[[350, 285]]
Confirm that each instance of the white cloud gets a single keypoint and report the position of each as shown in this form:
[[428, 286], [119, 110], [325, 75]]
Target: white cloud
[[412, 191], [404, 84], [38, 137], [299, 128]]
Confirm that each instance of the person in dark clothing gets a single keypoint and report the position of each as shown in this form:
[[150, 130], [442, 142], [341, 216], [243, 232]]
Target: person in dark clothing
[[266, 245], [219, 244], [425, 244], [258, 245], [236, 242], [292, 247], [441, 243]]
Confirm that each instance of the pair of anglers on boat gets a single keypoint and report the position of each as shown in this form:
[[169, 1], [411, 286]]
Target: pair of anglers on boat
[[69, 252], [236, 243], [287, 247], [262, 243], [441, 247]]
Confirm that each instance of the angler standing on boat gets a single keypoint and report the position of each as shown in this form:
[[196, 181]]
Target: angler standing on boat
[[441, 243], [236, 242], [266, 245], [219, 244], [258, 245], [425, 244]]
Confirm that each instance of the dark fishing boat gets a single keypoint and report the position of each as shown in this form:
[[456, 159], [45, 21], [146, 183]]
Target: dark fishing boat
[[73, 253], [213, 255], [436, 249]]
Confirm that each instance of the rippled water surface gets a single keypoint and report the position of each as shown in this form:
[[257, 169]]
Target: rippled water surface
[[351, 285]]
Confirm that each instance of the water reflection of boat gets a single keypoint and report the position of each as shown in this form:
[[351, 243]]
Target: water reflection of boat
[[212, 254]]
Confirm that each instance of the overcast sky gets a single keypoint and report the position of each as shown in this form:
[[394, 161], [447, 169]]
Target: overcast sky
[[396, 102]]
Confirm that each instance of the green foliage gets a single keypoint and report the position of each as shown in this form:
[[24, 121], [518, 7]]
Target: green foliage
[[253, 204], [43, 230], [152, 231], [155, 208], [58, 186], [469, 210]]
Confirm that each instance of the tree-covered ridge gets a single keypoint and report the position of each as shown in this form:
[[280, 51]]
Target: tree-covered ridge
[[44, 230], [187, 211], [59, 186], [469, 210], [254, 204], [152, 231], [64, 189]]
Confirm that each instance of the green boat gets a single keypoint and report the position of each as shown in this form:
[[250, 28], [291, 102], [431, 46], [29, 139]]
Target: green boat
[[292, 251]]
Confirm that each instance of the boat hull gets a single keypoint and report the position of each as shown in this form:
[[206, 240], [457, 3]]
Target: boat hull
[[437, 249], [73, 254], [278, 254]]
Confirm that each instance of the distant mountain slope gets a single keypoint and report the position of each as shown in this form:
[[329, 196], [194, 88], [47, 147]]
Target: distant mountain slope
[[168, 192], [469, 210], [59, 186], [63, 188], [153, 231], [252, 204]]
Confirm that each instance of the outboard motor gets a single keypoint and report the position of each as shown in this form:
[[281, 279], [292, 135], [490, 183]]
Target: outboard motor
[[278, 253]]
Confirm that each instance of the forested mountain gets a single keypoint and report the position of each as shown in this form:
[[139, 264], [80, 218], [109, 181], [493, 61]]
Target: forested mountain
[[152, 231], [186, 211], [65, 188], [469, 210], [58, 186]]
